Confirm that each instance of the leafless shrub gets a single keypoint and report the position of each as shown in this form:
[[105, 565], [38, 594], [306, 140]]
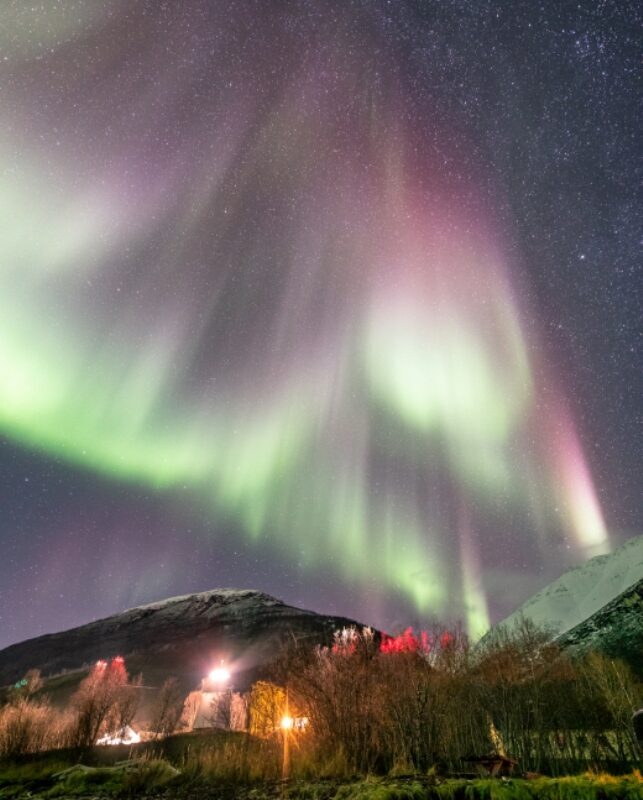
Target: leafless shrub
[[413, 702], [105, 702], [168, 709]]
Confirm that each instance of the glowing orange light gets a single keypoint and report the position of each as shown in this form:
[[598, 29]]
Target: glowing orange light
[[287, 723]]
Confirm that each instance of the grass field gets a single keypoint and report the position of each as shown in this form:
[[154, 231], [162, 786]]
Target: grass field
[[200, 779]]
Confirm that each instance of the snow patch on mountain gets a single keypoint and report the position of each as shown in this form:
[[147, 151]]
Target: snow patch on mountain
[[209, 598]]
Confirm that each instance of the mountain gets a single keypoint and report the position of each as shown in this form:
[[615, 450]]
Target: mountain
[[584, 590], [616, 629], [598, 604], [182, 636]]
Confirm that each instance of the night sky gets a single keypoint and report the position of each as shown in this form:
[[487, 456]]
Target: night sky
[[335, 299]]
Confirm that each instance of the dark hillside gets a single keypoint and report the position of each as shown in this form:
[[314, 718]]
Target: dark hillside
[[182, 636]]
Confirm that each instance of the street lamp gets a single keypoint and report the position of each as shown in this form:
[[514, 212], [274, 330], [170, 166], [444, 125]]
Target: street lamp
[[287, 724]]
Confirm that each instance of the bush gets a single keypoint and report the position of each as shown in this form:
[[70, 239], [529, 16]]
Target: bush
[[236, 759], [411, 703], [30, 726]]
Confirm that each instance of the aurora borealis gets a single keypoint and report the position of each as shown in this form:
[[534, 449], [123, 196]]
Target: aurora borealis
[[333, 299]]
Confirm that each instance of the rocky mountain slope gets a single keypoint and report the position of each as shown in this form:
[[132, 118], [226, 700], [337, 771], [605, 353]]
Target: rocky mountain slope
[[616, 629], [183, 636]]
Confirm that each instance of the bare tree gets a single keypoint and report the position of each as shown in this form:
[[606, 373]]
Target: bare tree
[[220, 709], [167, 709], [105, 702], [191, 708]]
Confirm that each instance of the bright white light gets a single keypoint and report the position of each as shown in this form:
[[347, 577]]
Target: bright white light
[[125, 736], [219, 675], [287, 723]]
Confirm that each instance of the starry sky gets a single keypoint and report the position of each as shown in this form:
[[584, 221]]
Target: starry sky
[[335, 299]]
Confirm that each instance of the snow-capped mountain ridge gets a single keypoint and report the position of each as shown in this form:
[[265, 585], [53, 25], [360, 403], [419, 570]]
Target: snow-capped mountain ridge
[[584, 590], [220, 594]]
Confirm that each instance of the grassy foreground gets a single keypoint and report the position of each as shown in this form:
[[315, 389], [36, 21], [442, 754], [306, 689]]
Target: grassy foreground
[[157, 778]]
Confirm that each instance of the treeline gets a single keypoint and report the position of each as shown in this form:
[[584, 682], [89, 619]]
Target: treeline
[[414, 703], [104, 705], [106, 700], [373, 705]]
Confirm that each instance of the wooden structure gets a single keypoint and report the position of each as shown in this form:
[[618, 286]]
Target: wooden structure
[[494, 765]]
